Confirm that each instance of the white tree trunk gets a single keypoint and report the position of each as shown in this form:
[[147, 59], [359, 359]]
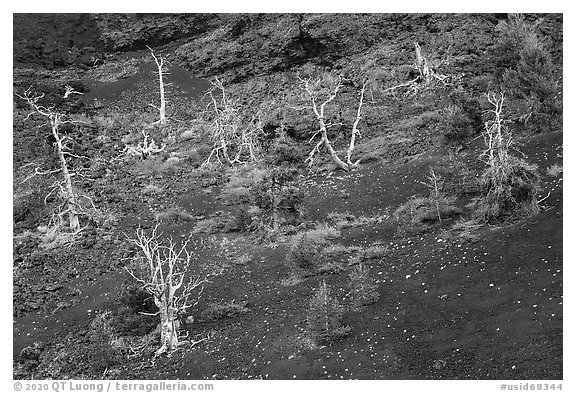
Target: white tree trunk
[[168, 329], [162, 97], [71, 202], [161, 72]]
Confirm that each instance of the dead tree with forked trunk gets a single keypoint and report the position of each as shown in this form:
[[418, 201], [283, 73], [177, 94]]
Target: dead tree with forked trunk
[[161, 269], [319, 107]]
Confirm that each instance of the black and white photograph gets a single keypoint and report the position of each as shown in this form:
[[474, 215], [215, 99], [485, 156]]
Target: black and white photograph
[[285, 196]]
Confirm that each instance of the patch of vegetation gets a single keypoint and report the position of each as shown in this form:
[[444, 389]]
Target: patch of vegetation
[[463, 231], [414, 215], [363, 287], [509, 191], [219, 222], [209, 176], [216, 311], [174, 214], [304, 255], [335, 250], [373, 251], [349, 220], [554, 170], [526, 72], [462, 117], [276, 199], [241, 179], [509, 184], [458, 178], [324, 320], [103, 354]]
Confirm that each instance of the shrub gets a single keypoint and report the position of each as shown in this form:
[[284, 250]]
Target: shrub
[[525, 70], [418, 211], [463, 117], [285, 152], [458, 178], [509, 190], [363, 287], [554, 170], [102, 354], [240, 181], [509, 184], [325, 318], [413, 215], [305, 255], [277, 197], [216, 311], [174, 214], [220, 222], [348, 220], [463, 231], [151, 189], [374, 251]]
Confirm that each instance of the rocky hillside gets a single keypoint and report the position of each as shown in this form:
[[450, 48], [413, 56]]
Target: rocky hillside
[[437, 265]]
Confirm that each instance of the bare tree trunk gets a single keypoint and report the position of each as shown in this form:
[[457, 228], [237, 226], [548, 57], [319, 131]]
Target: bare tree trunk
[[341, 164], [161, 72], [422, 63], [319, 112], [355, 131], [71, 202], [168, 329]]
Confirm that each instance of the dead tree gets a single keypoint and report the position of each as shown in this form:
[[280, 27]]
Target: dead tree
[[510, 184], [319, 112], [234, 140], [426, 75], [161, 269], [71, 207], [162, 71], [143, 149]]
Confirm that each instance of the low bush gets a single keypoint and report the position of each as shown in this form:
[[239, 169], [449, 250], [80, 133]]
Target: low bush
[[509, 185], [304, 255], [554, 170], [277, 199], [462, 118], [373, 251], [324, 320], [349, 220], [216, 311], [174, 214], [241, 179], [285, 152], [419, 211], [220, 222], [463, 231], [102, 354], [363, 287], [458, 178], [414, 215], [508, 191]]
